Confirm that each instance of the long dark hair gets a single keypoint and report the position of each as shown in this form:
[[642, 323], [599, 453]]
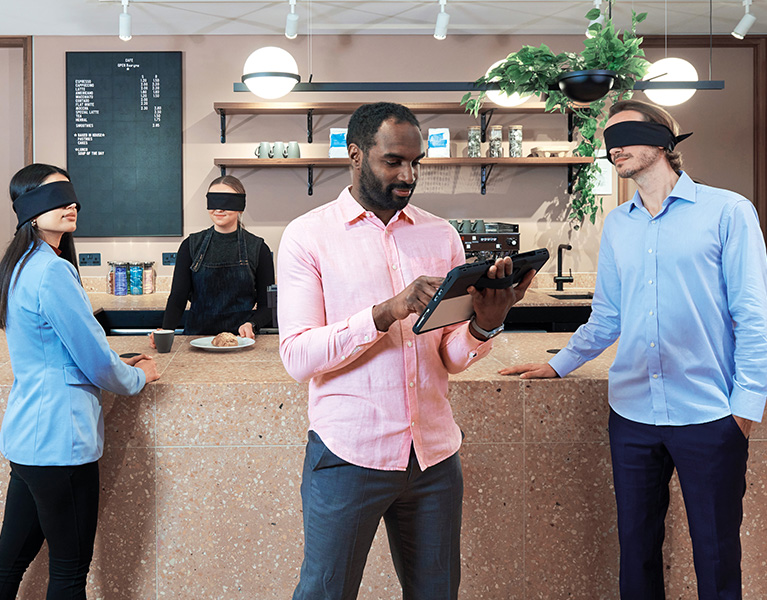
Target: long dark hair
[[27, 179]]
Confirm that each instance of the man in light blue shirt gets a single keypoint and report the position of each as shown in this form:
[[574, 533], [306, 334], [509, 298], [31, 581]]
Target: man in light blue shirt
[[682, 280]]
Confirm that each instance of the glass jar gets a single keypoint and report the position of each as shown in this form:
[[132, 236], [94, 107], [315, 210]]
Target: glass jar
[[475, 141], [121, 279], [148, 276], [136, 279], [496, 141], [515, 141], [111, 278]]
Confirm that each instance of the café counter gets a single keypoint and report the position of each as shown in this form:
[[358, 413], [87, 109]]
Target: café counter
[[201, 473]]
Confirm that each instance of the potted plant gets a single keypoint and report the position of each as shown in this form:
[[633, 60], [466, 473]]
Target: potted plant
[[539, 71]]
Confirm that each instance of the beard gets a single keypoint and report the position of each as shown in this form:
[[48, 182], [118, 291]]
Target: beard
[[644, 159], [376, 196]]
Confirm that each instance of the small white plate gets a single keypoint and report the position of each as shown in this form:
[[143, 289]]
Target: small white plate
[[205, 344]]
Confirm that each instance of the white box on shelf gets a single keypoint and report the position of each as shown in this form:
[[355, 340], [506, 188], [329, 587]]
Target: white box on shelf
[[338, 147], [439, 142]]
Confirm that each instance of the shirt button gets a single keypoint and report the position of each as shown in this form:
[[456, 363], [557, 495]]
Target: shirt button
[[411, 384], [343, 357], [649, 251], [472, 354], [413, 423], [367, 338], [410, 344], [394, 267], [655, 376], [650, 282], [651, 313], [652, 344]]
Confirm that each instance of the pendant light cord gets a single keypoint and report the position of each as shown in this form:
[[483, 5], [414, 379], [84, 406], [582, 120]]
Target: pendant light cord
[[710, 36], [311, 41]]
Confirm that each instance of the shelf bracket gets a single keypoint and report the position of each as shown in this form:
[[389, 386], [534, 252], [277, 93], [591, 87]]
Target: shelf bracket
[[485, 118], [223, 127], [483, 175], [309, 179], [309, 128], [570, 126], [222, 168], [572, 173]]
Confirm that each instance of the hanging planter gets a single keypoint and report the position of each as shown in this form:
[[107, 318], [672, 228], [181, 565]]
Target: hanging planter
[[606, 68], [586, 86]]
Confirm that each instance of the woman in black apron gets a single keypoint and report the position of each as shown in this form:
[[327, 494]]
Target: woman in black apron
[[223, 271]]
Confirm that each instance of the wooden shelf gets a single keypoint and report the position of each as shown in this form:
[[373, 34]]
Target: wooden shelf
[[268, 163], [340, 108]]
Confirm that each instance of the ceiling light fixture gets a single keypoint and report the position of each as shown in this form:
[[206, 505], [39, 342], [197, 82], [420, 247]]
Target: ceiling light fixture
[[741, 29], [440, 29], [270, 72], [600, 20], [124, 23], [291, 23]]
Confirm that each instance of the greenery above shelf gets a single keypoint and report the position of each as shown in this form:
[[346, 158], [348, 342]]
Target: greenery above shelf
[[533, 71]]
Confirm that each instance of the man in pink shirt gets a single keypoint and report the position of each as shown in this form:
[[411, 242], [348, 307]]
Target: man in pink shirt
[[353, 277]]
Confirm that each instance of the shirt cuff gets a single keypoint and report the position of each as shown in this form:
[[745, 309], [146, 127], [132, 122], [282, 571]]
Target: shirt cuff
[[476, 348], [362, 328], [564, 362], [746, 404]]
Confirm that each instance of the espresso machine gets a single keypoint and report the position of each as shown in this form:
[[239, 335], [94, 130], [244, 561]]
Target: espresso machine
[[484, 241]]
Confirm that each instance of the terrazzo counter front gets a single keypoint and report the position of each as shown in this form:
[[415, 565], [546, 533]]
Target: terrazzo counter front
[[201, 474]]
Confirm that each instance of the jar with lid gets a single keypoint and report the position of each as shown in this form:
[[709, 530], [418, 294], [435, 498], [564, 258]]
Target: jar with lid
[[515, 140], [475, 141], [148, 276], [496, 141]]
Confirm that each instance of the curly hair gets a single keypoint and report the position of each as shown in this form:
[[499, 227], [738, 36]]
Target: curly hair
[[653, 114], [367, 119]]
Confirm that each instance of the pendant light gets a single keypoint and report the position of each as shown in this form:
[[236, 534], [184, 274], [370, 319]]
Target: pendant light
[[270, 72]]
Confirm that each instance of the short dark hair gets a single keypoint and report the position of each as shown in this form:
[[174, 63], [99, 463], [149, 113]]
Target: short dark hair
[[653, 114], [367, 119]]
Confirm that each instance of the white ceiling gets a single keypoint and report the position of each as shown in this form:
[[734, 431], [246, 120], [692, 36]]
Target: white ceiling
[[254, 17]]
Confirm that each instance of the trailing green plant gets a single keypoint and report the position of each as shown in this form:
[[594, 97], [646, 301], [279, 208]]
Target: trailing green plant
[[534, 70]]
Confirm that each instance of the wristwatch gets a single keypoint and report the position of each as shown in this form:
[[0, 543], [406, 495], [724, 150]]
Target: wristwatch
[[483, 332]]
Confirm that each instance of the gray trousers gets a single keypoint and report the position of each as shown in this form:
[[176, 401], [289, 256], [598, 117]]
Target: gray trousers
[[343, 505]]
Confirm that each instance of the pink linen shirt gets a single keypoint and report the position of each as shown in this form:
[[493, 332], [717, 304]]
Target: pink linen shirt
[[371, 393]]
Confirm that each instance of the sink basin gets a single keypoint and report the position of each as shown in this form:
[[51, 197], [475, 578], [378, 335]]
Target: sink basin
[[582, 296]]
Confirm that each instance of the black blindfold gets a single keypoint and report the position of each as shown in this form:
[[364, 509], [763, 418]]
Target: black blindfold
[[42, 199], [640, 133], [225, 201]]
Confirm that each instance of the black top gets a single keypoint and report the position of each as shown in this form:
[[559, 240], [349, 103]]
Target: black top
[[222, 248]]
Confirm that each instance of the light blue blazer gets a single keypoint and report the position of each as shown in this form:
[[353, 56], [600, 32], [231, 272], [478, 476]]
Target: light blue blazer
[[61, 360]]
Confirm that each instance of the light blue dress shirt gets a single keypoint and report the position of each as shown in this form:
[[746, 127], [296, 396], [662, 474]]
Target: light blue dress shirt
[[686, 291], [60, 359]]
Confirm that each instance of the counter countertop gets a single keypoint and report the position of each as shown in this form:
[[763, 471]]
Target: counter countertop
[[260, 363], [157, 301]]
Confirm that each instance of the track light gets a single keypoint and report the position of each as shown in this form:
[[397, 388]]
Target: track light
[[440, 29], [600, 20], [124, 23], [291, 23], [741, 29]]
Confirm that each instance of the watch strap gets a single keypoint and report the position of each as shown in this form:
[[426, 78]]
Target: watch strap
[[483, 332]]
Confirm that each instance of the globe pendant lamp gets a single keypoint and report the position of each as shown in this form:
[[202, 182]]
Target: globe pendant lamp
[[270, 72], [670, 69]]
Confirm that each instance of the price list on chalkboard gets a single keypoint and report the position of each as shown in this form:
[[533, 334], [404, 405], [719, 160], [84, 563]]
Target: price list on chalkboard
[[124, 142]]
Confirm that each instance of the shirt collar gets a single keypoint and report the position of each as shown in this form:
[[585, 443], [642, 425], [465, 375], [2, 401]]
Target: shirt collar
[[351, 210], [684, 189]]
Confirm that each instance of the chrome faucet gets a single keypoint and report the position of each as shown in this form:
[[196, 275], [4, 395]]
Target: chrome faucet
[[560, 280]]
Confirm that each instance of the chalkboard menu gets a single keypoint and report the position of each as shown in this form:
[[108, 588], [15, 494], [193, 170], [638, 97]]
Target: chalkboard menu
[[124, 142]]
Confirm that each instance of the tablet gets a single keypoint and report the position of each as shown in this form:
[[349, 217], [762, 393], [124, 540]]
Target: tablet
[[452, 303]]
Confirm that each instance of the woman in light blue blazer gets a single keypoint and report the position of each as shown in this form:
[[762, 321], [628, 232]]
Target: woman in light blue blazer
[[53, 427]]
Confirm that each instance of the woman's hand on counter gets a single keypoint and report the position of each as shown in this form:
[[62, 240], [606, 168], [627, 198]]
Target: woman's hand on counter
[[146, 364], [151, 341], [246, 331], [530, 371]]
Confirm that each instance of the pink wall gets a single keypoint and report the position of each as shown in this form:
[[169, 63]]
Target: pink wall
[[12, 148], [534, 198]]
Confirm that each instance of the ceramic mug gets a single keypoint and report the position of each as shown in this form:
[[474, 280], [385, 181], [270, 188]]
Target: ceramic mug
[[264, 150], [279, 150], [294, 150]]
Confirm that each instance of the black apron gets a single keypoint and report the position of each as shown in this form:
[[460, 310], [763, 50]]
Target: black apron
[[223, 295]]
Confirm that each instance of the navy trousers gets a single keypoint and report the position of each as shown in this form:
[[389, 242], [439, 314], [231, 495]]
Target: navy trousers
[[343, 505], [710, 459]]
